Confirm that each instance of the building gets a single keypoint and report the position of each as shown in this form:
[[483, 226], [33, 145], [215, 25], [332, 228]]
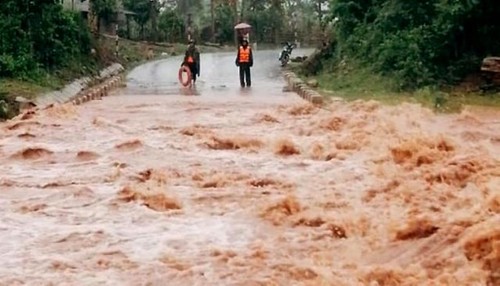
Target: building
[[121, 19]]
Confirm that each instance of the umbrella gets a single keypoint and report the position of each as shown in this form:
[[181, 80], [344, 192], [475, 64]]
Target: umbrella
[[242, 26]]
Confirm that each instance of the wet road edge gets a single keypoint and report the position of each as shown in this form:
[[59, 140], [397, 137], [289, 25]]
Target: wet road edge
[[298, 86], [101, 90], [78, 92]]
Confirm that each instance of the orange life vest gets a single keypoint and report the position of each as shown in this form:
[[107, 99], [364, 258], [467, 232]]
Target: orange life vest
[[244, 55]]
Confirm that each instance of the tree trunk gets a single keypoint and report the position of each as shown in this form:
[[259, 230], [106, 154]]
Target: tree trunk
[[93, 19], [128, 27], [153, 21], [212, 4]]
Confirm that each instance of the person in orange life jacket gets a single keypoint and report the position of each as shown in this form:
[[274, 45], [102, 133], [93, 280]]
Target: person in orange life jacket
[[192, 59], [244, 60]]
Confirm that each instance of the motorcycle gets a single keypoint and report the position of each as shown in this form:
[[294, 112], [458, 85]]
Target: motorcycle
[[285, 54]]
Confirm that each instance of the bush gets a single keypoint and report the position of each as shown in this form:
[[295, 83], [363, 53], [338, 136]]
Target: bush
[[39, 36], [421, 43]]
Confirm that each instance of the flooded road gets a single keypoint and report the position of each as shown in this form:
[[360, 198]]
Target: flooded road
[[219, 76], [155, 186]]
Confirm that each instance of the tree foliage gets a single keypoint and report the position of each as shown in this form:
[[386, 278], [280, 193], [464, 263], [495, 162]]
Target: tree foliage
[[141, 8], [171, 26], [38, 35], [224, 19], [104, 9], [271, 19], [420, 42], [267, 17], [184, 7]]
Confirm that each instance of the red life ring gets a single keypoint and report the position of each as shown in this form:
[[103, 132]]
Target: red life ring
[[185, 69]]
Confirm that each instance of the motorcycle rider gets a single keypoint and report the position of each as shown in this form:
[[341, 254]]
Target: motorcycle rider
[[244, 60], [192, 59], [287, 46]]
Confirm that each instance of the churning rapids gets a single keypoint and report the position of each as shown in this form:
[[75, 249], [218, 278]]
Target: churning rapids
[[254, 188]]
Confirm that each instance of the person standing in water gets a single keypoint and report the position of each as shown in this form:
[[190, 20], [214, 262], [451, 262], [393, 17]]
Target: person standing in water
[[192, 60], [244, 60]]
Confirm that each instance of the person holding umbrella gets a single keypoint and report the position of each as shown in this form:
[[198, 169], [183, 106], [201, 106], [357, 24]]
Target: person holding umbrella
[[244, 60]]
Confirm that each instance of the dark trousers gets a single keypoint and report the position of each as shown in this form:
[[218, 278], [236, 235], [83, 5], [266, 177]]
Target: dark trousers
[[245, 74], [194, 70]]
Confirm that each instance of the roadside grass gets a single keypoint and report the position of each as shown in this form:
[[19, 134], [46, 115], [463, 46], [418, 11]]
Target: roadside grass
[[25, 89], [44, 81], [354, 84]]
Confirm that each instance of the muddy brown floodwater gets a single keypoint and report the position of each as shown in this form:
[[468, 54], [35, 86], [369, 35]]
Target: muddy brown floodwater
[[249, 190]]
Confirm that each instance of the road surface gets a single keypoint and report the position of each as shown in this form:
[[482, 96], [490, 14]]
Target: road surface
[[219, 76], [159, 185]]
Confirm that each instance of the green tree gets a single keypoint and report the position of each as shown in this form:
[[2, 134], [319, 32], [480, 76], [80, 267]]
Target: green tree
[[419, 42], [104, 9], [171, 26], [38, 35], [224, 19], [267, 18], [184, 7], [142, 10]]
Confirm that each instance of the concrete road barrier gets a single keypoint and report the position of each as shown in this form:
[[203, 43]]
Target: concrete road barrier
[[302, 89], [81, 91]]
